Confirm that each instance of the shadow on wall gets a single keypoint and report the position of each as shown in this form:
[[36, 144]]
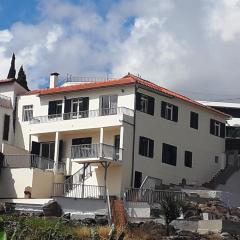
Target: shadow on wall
[[7, 184]]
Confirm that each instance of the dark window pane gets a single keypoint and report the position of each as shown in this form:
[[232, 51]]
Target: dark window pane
[[194, 120], [188, 159], [79, 141], [169, 154], [146, 147], [6, 127], [145, 103]]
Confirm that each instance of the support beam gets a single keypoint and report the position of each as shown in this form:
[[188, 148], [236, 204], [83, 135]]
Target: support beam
[[83, 179], [56, 152], [121, 143], [106, 165], [101, 142]]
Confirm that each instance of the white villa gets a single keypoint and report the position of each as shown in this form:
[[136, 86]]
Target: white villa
[[89, 136]]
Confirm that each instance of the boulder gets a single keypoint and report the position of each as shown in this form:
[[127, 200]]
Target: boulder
[[52, 209]]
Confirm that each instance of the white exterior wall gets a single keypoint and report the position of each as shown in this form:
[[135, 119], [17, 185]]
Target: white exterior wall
[[15, 180], [201, 143]]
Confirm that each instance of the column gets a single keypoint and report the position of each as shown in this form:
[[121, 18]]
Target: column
[[56, 152], [121, 143], [101, 142]]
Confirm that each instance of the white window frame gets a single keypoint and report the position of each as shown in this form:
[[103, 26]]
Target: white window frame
[[144, 103], [169, 107], [217, 128], [25, 114]]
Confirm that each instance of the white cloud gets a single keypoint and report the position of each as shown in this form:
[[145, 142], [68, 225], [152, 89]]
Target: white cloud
[[225, 19], [5, 36], [152, 52]]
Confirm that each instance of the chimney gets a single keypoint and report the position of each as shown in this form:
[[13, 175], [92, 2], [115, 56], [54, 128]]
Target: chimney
[[53, 80]]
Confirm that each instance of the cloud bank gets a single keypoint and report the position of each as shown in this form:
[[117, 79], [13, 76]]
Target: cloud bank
[[192, 46]]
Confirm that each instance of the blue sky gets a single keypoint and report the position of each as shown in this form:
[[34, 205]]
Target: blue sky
[[12, 11], [188, 46]]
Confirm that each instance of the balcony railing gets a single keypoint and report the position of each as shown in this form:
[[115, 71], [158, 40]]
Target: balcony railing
[[151, 196], [78, 191], [30, 161], [5, 101], [96, 151], [82, 114]]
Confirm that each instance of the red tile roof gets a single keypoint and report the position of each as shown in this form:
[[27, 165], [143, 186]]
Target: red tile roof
[[128, 79]]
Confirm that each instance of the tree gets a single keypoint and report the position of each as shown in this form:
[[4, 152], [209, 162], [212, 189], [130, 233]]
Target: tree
[[171, 209], [12, 70], [22, 77]]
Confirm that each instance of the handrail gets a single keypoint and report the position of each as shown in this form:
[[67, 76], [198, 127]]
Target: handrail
[[96, 150], [78, 191], [82, 114], [151, 196], [30, 160]]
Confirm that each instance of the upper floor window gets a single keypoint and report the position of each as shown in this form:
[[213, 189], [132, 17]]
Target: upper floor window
[[169, 111], [194, 120], [169, 154], [76, 107], [217, 128], [145, 103], [27, 113], [6, 127], [55, 107], [108, 104], [146, 147], [188, 159]]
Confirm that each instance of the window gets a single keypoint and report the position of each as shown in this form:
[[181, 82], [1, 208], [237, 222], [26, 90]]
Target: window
[[188, 159], [108, 105], [146, 147], [217, 128], [137, 179], [169, 111], [145, 103], [81, 141], [216, 159], [76, 108], [194, 120], [55, 107], [6, 127], [27, 113], [169, 154]]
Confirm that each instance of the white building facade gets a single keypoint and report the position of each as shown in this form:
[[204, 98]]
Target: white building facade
[[113, 134]]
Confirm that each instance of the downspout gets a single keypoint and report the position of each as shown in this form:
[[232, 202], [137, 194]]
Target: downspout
[[134, 134]]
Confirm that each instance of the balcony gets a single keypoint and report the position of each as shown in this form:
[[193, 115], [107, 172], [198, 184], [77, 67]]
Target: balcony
[[96, 152], [31, 161], [82, 114]]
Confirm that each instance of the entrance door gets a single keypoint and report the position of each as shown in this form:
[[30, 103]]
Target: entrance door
[[137, 179], [47, 150]]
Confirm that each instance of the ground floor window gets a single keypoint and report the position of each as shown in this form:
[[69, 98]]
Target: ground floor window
[[137, 179], [188, 159]]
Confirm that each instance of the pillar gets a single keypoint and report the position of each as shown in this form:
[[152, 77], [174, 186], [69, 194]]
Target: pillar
[[101, 142], [121, 143], [56, 152]]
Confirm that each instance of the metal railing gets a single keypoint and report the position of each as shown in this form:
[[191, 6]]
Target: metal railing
[[5, 101], [71, 78], [82, 114], [151, 196], [30, 161], [96, 151], [77, 177], [78, 191]]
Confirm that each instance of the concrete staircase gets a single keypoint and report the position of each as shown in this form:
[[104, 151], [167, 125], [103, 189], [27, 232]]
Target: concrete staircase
[[221, 177]]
